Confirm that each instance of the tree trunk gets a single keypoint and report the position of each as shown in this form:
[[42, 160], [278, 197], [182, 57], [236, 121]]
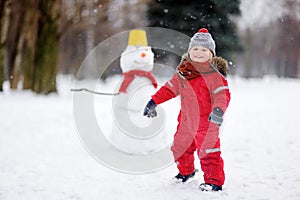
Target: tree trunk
[[1, 67], [248, 54], [46, 48], [29, 46], [3, 31], [12, 42]]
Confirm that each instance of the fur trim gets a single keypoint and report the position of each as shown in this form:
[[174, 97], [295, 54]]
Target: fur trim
[[221, 64]]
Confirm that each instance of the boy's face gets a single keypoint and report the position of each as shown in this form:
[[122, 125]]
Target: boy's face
[[200, 54]]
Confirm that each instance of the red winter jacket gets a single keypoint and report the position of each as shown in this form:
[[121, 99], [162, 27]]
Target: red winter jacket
[[199, 96]]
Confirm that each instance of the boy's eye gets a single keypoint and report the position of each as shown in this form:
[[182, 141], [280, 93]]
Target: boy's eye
[[200, 49]]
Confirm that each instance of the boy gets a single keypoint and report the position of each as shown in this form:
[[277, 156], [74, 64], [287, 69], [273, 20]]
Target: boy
[[200, 82]]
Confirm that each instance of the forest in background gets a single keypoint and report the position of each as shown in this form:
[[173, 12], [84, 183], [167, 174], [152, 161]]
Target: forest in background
[[41, 38]]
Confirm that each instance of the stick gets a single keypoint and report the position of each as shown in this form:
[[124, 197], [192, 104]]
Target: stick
[[94, 92]]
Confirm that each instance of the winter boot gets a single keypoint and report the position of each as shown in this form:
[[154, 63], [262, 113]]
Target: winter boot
[[179, 178], [209, 187]]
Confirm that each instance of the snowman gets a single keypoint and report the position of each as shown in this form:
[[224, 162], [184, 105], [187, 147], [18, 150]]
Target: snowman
[[132, 132]]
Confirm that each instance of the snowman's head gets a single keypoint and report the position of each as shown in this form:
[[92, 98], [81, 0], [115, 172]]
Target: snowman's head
[[137, 57]]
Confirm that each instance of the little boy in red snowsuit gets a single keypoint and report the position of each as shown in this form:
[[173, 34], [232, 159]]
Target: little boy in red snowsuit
[[200, 82]]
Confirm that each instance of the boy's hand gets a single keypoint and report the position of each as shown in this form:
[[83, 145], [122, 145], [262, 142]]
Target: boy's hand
[[216, 116], [149, 110]]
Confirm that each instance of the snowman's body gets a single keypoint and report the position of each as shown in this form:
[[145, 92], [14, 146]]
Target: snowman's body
[[132, 132]]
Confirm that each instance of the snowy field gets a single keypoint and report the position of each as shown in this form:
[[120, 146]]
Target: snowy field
[[41, 156]]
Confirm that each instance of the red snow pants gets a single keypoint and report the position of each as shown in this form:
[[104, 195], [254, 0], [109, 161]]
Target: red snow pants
[[207, 143]]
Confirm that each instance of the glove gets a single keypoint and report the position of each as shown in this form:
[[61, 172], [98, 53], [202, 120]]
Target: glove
[[216, 116], [149, 110]]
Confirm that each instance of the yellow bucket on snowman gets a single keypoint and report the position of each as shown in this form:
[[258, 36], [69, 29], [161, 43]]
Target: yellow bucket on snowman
[[137, 38]]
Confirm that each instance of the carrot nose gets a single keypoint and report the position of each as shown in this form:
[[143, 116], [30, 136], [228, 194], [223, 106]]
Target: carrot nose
[[143, 55]]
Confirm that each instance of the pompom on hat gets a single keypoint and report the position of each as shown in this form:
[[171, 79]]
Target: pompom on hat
[[203, 39]]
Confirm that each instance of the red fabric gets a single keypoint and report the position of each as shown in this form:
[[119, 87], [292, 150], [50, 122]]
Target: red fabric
[[194, 132], [211, 164], [129, 76], [190, 70]]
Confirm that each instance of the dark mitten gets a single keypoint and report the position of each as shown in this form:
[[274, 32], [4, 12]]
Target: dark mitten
[[216, 116], [149, 110]]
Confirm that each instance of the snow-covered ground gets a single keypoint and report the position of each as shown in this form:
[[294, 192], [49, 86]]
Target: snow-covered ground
[[41, 156]]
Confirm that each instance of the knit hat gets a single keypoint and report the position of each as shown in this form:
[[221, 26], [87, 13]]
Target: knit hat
[[204, 39]]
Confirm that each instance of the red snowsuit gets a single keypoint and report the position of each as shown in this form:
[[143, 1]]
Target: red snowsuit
[[199, 96]]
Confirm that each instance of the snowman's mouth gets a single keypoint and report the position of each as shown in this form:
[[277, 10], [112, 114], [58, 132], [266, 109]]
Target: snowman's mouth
[[140, 62]]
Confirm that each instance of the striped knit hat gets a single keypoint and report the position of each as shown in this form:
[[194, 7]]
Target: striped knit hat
[[203, 39]]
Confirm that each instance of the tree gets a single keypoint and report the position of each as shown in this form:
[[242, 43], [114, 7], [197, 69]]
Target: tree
[[4, 12], [28, 42], [45, 61], [289, 37], [187, 16], [13, 45], [85, 24], [31, 45]]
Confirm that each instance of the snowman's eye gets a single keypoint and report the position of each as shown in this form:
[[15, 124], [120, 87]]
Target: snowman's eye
[[143, 55]]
